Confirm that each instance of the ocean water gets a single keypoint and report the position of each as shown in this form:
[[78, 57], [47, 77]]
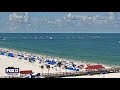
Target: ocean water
[[91, 47]]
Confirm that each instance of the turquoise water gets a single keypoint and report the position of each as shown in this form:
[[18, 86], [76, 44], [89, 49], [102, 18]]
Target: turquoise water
[[91, 47]]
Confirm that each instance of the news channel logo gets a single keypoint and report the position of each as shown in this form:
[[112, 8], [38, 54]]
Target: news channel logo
[[11, 71]]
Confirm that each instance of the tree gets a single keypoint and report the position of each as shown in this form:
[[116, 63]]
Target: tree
[[59, 65], [48, 67], [66, 69], [42, 67]]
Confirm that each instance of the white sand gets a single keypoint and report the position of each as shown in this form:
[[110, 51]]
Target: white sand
[[6, 61], [57, 58], [23, 65]]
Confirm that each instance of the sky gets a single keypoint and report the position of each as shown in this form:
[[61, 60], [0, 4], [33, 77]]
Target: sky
[[59, 28]]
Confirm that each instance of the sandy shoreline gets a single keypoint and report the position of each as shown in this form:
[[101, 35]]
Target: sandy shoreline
[[22, 64], [60, 59]]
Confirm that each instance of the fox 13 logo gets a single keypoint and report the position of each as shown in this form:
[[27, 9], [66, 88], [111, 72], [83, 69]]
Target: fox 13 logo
[[11, 70]]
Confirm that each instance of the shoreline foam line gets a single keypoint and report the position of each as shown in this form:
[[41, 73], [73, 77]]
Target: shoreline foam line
[[60, 59]]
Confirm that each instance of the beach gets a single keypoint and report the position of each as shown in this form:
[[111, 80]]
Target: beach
[[20, 60], [59, 46], [23, 64]]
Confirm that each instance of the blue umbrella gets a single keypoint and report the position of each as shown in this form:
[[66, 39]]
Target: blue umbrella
[[10, 55]]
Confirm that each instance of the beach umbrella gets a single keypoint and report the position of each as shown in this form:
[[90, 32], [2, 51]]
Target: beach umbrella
[[19, 55], [22, 55], [25, 58], [2, 53], [33, 58], [46, 60], [10, 55]]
